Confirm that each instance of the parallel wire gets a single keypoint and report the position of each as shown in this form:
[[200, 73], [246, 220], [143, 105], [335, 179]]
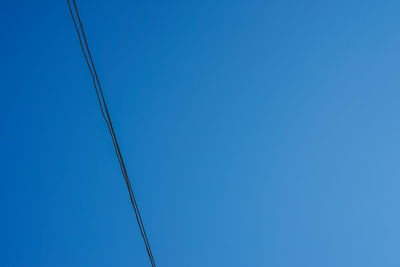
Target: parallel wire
[[107, 118]]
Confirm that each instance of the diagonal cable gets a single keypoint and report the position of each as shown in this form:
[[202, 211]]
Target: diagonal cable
[[107, 118]]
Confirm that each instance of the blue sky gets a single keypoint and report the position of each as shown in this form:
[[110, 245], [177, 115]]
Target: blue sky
[[256, 133]]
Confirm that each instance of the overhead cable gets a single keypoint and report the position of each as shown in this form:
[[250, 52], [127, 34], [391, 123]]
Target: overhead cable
[[106, 116]]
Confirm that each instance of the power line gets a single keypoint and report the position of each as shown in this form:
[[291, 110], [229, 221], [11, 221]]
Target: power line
[[107, 119]]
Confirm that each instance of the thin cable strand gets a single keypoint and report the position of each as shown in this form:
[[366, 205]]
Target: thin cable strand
[[107, 118], [115, 142]]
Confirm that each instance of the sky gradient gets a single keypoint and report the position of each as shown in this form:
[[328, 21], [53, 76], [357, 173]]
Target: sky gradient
[[255, 133]]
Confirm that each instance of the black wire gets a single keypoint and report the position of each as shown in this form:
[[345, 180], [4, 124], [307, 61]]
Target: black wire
[[107, 118], [112, 133], [116, 147]]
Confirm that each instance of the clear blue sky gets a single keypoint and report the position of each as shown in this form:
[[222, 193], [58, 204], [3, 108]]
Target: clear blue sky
[[256, 133]]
